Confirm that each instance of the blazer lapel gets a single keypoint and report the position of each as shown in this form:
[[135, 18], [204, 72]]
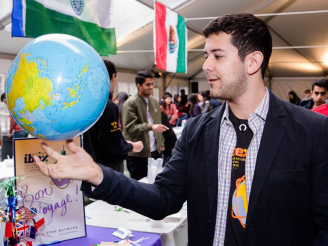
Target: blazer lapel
[[272, 134], [212, 135]]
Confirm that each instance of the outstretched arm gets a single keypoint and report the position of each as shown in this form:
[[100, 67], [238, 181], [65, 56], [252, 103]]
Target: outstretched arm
[[79, 165]]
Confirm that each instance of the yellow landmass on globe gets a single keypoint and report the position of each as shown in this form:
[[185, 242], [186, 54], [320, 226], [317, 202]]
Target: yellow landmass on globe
[[78, 91], [26, 84], [242, 192], [72, 92]]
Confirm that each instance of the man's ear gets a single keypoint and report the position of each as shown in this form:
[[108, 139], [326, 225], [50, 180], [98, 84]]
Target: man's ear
[[253, 62]]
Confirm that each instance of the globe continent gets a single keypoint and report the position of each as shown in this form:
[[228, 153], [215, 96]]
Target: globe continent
[[57, 87]]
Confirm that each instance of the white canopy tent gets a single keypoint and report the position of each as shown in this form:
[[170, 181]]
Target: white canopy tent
[[298, 27]]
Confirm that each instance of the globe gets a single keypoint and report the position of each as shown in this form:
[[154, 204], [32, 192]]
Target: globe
[[57, 87]]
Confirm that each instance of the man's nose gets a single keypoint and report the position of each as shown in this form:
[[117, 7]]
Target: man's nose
[[207, 66]]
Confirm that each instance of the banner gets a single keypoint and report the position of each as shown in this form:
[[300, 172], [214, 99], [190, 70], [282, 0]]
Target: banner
[[170, 40], [59, 203], [89, 20]]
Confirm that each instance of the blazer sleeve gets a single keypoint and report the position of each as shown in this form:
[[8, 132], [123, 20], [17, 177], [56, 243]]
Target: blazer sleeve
[[319, 187], [166, 196]]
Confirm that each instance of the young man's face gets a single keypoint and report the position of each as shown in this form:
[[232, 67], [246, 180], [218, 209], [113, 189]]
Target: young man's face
[[146, 89], [319, 95], [224, 70]]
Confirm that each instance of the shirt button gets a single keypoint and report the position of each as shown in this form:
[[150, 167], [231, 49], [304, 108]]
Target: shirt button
[[223, 208], [225, 176], [220, 239]]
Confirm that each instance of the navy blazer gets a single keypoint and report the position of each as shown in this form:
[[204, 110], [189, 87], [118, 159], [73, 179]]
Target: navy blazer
[[288, 202]]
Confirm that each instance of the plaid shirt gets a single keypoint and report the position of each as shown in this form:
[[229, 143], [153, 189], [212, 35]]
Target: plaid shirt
[[227, 143]]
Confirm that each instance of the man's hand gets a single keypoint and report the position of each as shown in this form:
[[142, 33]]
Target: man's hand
[[78, 165], [9, 135], [159, 128], [137, 146]]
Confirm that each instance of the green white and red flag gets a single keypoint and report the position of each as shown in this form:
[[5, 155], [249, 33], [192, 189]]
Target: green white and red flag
[[170, 40]]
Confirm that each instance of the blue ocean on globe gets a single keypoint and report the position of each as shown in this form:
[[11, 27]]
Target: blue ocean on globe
[[57, 87]]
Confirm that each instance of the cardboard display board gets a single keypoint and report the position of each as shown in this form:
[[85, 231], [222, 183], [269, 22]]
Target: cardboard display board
[[60, 202]]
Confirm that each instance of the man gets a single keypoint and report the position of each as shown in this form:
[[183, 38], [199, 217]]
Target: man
[[141, 117], [183, 97], [254, 171], [319, 94], [104, 140]]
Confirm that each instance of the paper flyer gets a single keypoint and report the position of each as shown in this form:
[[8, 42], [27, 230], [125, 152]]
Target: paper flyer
[[59, 202]]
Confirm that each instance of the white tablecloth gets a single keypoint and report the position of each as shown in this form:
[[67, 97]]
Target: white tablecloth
[[173, 232], [6, 172]]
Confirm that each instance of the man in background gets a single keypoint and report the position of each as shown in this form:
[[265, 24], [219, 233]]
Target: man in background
[[142, 121], [104, 141]]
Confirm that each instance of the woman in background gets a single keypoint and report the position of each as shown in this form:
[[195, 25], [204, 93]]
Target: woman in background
[[181, 109], [194, 108], [204, 103], [169, 109], [293, 98]]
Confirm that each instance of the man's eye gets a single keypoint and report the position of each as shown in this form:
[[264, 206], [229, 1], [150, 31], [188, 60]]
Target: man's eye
[[205, 57], [218, 57]]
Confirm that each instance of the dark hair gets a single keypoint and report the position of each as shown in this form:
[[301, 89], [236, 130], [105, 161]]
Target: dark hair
[[295, 100], [193, 100], [121, 98], [248, 34], [319, 82], [142, 76], [3, 96], [165, 105], [110, 68], [204, 95], [307, 91]]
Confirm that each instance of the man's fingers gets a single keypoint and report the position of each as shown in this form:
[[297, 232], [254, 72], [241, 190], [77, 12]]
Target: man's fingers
[[53, 154], [43, 167], [72, 146]]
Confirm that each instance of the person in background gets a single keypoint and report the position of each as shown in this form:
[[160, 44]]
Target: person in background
[[307, 101], [121, 98], [15, 131], [319, 92], [194, 108], [181, 109], [293, 98], [142, 121], [184, 98], [169, 140], [114, 98], [169, 109], [104, 141], [204, 103]]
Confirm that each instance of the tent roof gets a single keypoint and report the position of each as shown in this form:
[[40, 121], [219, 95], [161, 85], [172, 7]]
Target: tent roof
[[288, 30]]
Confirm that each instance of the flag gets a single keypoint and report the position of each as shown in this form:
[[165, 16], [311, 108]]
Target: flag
[[9, 229], [89, 20], [39, 221], [170, 40], [21, 228]]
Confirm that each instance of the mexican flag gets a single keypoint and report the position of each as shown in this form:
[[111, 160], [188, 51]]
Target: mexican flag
[[170, 40], [89, 20]]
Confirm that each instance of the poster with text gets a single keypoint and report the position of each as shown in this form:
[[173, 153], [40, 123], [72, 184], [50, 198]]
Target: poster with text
[[59, 201]]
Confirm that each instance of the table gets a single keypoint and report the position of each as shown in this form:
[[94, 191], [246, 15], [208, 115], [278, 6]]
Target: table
[[97, 234], [173, 232]]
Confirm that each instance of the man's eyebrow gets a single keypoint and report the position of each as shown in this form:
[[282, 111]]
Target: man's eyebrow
[[214, 50]]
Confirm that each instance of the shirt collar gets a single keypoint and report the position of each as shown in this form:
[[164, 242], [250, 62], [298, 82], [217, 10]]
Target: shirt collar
[[261, 110]]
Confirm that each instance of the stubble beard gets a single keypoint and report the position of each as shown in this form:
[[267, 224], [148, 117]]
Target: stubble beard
[[233, 89]]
